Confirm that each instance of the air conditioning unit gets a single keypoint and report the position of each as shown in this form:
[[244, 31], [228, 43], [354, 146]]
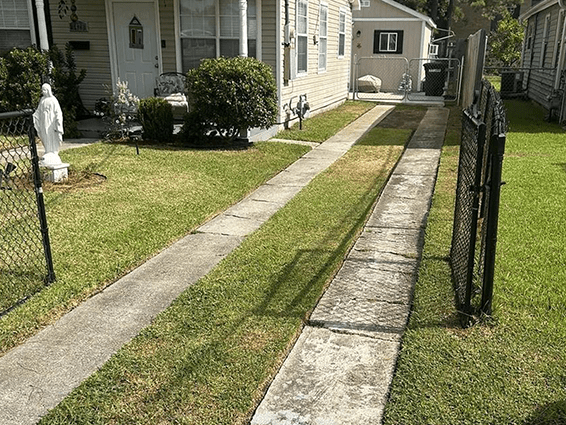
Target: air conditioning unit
[[433, 50]]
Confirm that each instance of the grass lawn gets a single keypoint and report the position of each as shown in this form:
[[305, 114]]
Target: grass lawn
[[102, 228], [208, 358], [510, 369], [322, 126]]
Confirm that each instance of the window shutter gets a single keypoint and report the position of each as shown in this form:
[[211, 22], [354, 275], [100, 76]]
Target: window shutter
[[399, 42]]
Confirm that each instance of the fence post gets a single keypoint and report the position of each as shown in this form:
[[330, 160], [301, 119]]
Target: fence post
[[50, 278], [497, 147]]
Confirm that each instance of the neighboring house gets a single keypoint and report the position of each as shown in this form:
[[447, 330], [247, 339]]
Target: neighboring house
[[543, 53], [306, 42], [387, 29]]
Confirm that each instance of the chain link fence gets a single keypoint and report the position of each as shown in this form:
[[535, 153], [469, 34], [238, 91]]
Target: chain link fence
[[400, 79], [439, 78], [25, 259], [474, 236], [382, 78]]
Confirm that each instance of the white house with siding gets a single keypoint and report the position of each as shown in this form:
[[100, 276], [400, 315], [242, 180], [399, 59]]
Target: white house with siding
[[389, 30], [307, 43], [544, 51]]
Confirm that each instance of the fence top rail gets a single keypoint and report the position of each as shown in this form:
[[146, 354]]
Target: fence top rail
[[15, 114], [507, 69], [359, 58]]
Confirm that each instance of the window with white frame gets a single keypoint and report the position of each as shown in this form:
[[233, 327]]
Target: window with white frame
[[302, 35], [211, 28], [365, 3], [387, 41], [322, 37], [341, 33], [14, 25]]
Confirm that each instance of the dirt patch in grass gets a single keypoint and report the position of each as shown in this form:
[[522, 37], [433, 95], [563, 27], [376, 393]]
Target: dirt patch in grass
[[404, 117], [77, 180]]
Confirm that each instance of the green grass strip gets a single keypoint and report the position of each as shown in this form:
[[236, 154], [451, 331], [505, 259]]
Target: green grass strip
[[510, 369], [208, 358], [100, 229], [320, 127]]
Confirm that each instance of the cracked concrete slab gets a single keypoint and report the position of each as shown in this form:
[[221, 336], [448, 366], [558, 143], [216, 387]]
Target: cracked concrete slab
[[331, 378]]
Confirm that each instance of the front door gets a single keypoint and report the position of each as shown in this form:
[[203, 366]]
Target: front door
[[135, 37]]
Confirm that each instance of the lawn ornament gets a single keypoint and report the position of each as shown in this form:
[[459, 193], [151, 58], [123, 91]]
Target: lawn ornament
[[48, 121]]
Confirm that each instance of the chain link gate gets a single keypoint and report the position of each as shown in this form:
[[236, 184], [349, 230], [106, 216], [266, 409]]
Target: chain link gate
[[381, 78], [436, 78], [400, 79], [25, 260], [474, 235]]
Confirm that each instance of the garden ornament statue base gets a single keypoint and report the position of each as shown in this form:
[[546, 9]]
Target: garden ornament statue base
[[48, 121]]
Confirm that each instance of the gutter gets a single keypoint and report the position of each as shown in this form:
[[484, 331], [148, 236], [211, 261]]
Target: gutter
[[538, 8]]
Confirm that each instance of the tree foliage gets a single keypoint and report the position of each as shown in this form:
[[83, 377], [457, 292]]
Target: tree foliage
[[444, 12], [504, 46]]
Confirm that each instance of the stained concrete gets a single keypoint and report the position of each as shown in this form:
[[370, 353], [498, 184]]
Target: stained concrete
[[340, 369]]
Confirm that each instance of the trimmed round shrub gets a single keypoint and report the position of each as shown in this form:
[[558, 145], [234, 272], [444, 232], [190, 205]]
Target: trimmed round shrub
[[233, 94], [156, 118]]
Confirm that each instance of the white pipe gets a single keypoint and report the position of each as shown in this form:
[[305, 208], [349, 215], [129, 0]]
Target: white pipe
[[243, 28], [41, 23]]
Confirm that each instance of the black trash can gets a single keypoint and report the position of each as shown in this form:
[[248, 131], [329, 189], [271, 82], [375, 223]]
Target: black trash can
[[435, 76]]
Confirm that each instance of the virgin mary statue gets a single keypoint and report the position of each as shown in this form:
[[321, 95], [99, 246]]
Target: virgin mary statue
[[48, 121]]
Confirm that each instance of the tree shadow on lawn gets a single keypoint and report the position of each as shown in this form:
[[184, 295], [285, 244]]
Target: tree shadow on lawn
[[549, 414]]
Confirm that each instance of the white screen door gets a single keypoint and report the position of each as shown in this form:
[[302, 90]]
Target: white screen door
[[136, 38]]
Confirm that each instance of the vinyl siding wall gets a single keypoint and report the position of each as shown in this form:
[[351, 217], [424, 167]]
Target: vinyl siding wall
[[167, 24], [324, 88], [269, 32], [96, 60], [541, 78]]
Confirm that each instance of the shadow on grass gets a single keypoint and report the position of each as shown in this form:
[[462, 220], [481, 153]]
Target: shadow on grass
[[228, 355], [309, 257], [549, 414]]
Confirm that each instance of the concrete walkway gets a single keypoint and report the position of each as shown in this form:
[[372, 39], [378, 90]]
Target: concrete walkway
[[340, 369], [37, 375]]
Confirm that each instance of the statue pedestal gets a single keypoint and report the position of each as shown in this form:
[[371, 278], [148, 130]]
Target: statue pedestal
[[55, 172]]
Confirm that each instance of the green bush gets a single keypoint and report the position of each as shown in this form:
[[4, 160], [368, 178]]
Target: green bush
[[22, 71], [156, 117], [65, 84], [233, 94], [196, 130], [21, 75]]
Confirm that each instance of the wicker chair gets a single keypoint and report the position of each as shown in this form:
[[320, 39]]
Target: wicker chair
[[171, 87]]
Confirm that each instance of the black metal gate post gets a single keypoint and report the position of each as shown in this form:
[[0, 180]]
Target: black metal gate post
[[497, 148], [50, 277]]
